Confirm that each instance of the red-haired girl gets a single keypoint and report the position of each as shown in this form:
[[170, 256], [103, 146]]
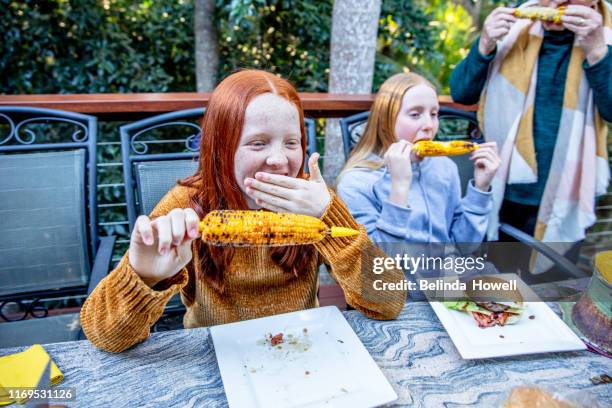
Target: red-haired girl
[[251, 157]]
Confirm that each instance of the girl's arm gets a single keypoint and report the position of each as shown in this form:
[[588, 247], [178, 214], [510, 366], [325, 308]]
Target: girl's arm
[[122, 308], [471, 214], [352, 261], [383, 221]]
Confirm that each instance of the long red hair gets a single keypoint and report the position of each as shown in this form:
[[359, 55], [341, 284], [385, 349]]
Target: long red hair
[[215, 181]]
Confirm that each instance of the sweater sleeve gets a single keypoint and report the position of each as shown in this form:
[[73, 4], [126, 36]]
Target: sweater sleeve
[[351, 261], [600, 79], [122, 308], [469, 76]]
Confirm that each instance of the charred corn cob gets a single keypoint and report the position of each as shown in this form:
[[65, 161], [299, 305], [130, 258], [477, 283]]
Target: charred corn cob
[[427, 148], [541, 13], [264, 228]]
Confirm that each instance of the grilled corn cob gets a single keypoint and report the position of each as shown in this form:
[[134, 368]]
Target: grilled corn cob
[[427, 148], [541, 13], [264, 228]]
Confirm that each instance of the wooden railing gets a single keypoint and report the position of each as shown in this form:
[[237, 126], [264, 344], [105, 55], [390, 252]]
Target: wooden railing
[[135, 106]]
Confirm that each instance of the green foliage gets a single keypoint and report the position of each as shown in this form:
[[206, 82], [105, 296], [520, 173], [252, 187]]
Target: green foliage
[[89, 46], [92, 46], [453, 41], [405, 40], [287, 37]]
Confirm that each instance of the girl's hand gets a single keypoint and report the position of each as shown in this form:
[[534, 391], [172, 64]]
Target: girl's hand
[[495, 27], [486, 163], [289, 194], [586, 23], [399, 163], [159, 249]]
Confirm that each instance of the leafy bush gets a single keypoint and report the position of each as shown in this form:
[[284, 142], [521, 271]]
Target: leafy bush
[[96, 46], [287, 37]]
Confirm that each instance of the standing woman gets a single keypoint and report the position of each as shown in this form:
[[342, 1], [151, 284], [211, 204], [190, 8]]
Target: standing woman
[[545, 92], [251, 157]]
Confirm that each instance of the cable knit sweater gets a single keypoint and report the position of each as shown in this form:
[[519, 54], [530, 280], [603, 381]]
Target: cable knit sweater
[[121, 310]]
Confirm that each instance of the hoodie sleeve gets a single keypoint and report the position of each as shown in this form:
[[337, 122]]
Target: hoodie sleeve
[[470, 214], [383, 221]]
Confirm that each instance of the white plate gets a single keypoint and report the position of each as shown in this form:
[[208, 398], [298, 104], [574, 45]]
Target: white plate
[[545, 333], [325, 366]]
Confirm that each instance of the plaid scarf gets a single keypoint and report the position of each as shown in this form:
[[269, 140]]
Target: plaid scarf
[[579, 169]]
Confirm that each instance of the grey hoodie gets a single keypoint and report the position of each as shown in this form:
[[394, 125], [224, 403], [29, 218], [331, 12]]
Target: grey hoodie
[[435, 213]]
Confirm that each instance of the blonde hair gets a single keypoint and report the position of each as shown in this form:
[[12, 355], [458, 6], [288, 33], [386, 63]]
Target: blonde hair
[[379, 133]]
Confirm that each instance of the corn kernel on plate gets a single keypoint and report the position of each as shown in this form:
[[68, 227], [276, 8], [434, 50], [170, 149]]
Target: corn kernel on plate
[[319, 362]]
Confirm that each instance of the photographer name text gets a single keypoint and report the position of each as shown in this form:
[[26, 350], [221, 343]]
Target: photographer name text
[[444, 285]]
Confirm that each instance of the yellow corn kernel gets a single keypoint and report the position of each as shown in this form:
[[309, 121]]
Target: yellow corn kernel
[[426, 148], [541, 13], [265, 228]]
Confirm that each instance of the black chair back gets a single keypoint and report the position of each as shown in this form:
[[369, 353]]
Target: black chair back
[[157, 152], [47, 200]]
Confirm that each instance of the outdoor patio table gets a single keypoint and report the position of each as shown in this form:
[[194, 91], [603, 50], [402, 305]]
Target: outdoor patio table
[[179, 368]]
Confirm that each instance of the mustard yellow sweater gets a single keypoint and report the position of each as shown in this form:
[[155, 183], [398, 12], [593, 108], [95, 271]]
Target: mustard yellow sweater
[[121, 310]]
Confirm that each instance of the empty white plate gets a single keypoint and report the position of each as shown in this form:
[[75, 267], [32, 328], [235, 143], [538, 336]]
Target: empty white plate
[[320, 362]]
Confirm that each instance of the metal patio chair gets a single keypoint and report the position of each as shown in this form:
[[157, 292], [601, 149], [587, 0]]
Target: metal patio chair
[[50, 247]]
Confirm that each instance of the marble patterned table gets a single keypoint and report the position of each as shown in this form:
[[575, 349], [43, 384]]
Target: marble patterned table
[[179, 368]]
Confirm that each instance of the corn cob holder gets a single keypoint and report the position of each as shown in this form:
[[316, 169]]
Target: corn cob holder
[[265, 228], [541, 13], [427, 148]]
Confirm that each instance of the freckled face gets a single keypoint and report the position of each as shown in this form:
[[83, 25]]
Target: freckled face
[[270, 141], [418, 115]]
